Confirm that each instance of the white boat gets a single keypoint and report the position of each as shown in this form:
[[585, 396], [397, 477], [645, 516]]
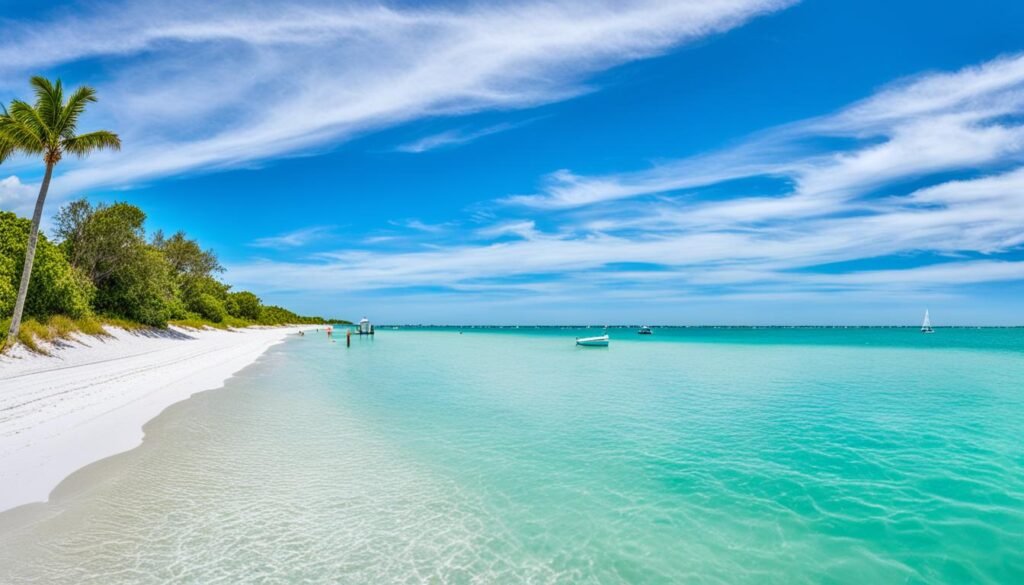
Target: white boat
[[926, 326], [365, 328], [600, 341], [645, 330]]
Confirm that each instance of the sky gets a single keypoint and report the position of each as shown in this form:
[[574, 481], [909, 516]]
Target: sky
[[683, 162]]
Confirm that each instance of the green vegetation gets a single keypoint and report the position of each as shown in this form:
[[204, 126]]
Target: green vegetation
[[56, 287], [57, 327], [104, 271], [48, 128]]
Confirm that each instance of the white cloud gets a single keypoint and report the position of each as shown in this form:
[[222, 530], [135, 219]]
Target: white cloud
[[17, 196], [929, 124], [452, 138], [294, 239], [419, 226], [526, 229], [947, 273], [609, 236], [198, 86]]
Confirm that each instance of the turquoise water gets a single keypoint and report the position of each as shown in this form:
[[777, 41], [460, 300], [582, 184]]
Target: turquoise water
[[511, 456]]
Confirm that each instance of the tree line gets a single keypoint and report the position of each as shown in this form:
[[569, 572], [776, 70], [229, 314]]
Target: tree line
[[101, 262]]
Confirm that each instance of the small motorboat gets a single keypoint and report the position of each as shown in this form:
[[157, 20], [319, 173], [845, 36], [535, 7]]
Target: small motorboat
[[600, 341], [645, 330]]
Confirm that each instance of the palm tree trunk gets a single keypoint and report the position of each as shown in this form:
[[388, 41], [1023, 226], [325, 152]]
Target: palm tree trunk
[[30, 256]]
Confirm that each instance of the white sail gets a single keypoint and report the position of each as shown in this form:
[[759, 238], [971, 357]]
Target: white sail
[[926, 325]]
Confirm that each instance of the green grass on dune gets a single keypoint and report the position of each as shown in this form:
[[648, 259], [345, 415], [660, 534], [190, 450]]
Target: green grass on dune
[[33, 333], [37, 335]]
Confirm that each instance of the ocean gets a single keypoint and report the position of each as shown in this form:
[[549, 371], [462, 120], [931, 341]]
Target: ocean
[[477, 455]]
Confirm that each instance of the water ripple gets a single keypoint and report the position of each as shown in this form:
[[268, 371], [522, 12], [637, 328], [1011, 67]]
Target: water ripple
[[433, 457]]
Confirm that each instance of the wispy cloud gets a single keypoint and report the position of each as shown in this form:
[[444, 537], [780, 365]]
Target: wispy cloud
[[200, 86], [918, 126], [419, 226], [294, 239], [454, 137], [881, 192], [526, 229]]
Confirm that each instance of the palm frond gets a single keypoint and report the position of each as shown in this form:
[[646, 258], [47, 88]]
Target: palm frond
[[6, 146], [22, 127], [68, 121], [6, 150], [24, 113], [84, 144], [49, 99], [48, 126]]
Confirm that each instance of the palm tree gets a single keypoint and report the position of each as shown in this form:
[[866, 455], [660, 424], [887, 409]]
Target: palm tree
[[47, 128]]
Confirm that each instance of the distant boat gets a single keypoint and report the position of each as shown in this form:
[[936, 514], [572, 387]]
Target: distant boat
[[600, 341], [645, 330], [926, 326], [365, 328]]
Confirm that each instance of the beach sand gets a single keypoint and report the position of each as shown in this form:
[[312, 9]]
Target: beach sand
[[91, 397]]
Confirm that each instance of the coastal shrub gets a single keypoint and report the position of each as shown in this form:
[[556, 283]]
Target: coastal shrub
[[237, 322], [231, 306], [192, 289], [210, 307], [140, 290], [55, 287], [176, 309], [192, 270], [99, 239], [244, 305], [273, 315], [107, 243], [8, 294]]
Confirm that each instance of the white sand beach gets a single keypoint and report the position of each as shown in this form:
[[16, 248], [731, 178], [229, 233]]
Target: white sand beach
[[91, 397]]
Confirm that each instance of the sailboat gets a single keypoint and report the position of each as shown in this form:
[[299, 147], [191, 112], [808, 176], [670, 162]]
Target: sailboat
[[926, 326]]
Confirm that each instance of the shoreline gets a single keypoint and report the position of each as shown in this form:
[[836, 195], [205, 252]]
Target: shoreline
[[90, 399]]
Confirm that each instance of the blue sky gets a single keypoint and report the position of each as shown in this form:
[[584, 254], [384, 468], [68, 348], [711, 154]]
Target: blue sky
[[683, 162]]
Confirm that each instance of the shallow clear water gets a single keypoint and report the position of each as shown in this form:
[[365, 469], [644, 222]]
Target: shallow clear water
[[511, 456]]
